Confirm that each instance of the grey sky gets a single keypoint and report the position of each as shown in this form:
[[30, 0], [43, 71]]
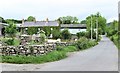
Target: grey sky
[[52, 9]]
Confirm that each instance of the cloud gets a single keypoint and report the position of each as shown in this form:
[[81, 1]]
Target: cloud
[[53, 9]]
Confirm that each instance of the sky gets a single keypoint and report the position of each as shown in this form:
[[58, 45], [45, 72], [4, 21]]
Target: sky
[[53, 9]]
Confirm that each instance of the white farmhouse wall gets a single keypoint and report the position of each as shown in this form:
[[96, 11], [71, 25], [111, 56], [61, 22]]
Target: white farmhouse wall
[[1, 26], [74, 31]]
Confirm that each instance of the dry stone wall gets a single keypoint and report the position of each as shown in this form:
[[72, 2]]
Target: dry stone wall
[[31, 49]]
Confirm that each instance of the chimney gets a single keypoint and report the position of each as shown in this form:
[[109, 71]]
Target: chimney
[[23, 21], [47, 20], [35, 20]]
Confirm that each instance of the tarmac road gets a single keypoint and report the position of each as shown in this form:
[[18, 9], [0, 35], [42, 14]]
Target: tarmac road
[[103, 57]]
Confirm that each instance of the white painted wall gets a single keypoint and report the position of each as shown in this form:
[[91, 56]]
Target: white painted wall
[[1, 26], [74, 31]]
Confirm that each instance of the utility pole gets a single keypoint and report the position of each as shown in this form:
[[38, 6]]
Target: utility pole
[[91, 27]]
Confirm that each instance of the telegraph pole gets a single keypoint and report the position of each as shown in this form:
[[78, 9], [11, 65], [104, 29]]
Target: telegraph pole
[[91, 27]]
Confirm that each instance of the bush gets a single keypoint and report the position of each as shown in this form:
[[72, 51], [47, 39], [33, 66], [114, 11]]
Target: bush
[[65, 34], [10, 41], [80, 34], [42, 37], [88, 34], [84, 43]]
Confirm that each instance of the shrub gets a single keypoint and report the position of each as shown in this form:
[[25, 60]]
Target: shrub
[[80, 34], [42, 37], [65, 34], [84, 43], [10, 41]]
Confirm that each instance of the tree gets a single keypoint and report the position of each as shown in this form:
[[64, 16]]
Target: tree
[[65, 34], [56, 33], [31, 18], [13, 21], [32, 30], [83, 22], [68, 20], [101, 22], [112, 29], [11, 30], [2, 19]]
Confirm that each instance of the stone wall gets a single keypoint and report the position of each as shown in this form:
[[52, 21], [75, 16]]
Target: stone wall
[[30, 49]]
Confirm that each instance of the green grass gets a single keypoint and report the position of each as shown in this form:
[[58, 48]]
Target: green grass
[[52, 56], [58, 54]]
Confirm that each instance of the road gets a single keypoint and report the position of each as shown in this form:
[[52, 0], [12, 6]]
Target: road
[[102, 57]]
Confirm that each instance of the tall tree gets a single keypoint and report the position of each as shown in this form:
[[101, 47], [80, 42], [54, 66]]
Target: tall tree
[[31, 18], [101, 22], [83, 22], [11, 30], [68, 20], [2, 19]]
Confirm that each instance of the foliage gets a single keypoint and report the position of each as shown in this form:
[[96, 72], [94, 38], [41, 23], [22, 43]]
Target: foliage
[[101, 22], [31, 18], [2, 20], [32, 30], [56, 33], [68, 20], [11, 41], [47, 30], [88, 34], [65, 34], [42, 37], [80, 34], [83, 22], [11, 30], [112, 32], [84, 43], [52, 56], [70, 49], [11, 21]]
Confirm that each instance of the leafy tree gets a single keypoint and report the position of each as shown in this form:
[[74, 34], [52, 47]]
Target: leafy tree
[[13, 21], [32, 30], [112, 29], [47, 30], [101, 22], [2, 19], [83, 22], [11, 30], [65, 34], [31, 18], [56, 33], [80, 34], [68, 20]]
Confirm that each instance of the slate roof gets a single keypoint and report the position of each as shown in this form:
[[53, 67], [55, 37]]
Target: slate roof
[[40, 24], [73, 25]]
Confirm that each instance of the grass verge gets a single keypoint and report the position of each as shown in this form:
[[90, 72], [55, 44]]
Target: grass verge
[[52, 56], [58, 54]]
